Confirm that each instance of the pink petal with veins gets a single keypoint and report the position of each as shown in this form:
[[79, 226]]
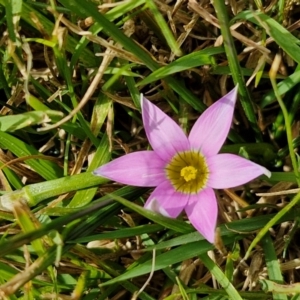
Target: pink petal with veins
[[142, 168], [202, 211], [211, 129], [166, 200], [164, 135], [229, 170]]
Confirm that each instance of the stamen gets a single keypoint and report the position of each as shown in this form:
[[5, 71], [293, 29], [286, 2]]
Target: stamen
[[188, 172]]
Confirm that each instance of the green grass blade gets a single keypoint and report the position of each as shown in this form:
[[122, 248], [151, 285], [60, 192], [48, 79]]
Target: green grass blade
[[122, 233], [273, 265], [190, 245], [283, 176], [37, 192], [164, 28], [86, 9], [164, 260], [47, 169], [192, 60], [111, 15], [288, 42], [220, 277], [272, 222], [13, 10], [101, 157], [173, 224], [19, 121], [95, 208], [234, 65], [28, 11], [283, 87]]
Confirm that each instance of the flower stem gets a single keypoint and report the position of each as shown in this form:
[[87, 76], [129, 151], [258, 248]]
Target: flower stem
[[296, 199], [285, 113], [35, 193], [271, 223]]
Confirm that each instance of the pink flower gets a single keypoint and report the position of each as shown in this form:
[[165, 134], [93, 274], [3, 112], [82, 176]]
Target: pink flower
[[185, 170]]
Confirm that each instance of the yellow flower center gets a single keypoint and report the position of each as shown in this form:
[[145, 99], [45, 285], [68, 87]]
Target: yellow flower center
[[188, 172]]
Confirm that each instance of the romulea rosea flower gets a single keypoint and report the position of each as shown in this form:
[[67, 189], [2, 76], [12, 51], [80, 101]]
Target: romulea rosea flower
[[185, 170]]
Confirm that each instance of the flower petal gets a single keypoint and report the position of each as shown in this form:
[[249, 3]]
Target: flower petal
[[164, 135], [142, 168], [166, 200], [211, 129], [229, 170], [202, 211]]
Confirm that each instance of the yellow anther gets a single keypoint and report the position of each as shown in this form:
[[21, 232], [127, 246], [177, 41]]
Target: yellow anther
[[188, 173]]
